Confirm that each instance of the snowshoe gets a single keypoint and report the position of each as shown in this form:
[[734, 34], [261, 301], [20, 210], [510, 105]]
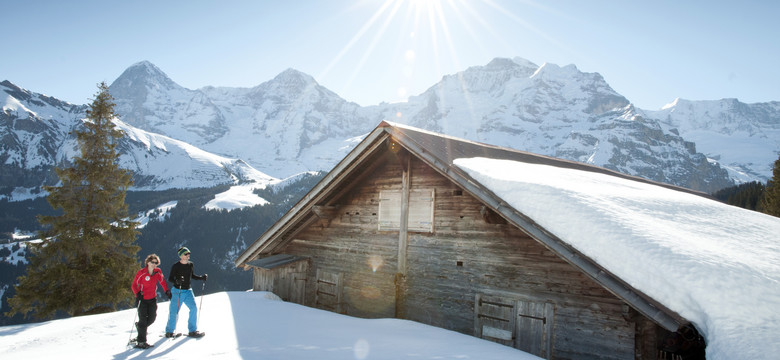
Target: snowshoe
[[143, 345], [196, 334], [172, 335]]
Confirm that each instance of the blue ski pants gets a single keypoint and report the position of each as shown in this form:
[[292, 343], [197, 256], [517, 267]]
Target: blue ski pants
[[182, 297]]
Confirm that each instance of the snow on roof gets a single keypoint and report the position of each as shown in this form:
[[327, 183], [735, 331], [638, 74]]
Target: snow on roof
[[716, 265]]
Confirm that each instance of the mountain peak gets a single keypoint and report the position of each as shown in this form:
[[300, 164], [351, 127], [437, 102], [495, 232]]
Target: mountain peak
[[288, 82], [144, 64], [517, 65], [506, 63], [142, 76], [292, 76], [146, 68], [500, 64]]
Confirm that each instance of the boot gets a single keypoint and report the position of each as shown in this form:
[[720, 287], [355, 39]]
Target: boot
[[143, 345], [196, 334]]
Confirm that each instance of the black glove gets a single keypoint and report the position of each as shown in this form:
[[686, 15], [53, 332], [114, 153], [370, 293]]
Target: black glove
[[139, 296], [205, 277], [168, 294]]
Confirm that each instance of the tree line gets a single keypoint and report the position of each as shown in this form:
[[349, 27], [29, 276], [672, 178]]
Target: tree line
[[755, 195]]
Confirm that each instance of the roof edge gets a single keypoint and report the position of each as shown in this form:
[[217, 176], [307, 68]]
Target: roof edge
[[297, 211]]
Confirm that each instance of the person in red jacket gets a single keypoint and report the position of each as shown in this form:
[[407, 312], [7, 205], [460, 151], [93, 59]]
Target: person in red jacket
[[145, 289]]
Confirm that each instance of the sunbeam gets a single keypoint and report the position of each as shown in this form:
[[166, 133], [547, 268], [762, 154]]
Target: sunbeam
[[403, 42], [355, 39]]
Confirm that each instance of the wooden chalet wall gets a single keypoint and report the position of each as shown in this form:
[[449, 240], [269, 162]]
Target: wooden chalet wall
[[288, 282], [474, 274]]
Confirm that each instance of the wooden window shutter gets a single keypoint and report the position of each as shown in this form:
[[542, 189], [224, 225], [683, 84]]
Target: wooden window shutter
[[421, 207], [421, 210], [389, 210]]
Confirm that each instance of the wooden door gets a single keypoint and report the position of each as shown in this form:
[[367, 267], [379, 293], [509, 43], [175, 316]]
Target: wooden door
[[328, 291], [522, 324], [534, 325], [298, 288]]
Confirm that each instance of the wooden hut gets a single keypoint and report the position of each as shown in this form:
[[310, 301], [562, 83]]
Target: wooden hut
[[396, 230]]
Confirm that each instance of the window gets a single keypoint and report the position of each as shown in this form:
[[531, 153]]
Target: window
[[421, 208]]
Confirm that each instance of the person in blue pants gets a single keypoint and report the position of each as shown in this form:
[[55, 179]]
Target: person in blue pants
[[181, 273]]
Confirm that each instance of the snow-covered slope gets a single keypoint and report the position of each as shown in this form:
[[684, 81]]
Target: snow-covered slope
[[248, 325], [169, 163], [37, 135], [743, 138], [32, 130]]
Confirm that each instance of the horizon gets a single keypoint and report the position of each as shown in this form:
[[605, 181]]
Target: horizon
[[371, 51]]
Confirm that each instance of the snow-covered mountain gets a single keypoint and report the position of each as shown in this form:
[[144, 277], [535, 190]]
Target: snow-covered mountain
[[743, 138], [291, 124], [284, 126], [37, 135], [560, 112]]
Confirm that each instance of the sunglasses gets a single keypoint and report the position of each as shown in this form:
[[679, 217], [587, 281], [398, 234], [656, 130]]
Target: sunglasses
[[186, 254], [154, 262]]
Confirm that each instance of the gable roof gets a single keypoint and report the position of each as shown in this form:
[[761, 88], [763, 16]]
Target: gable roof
[[459, 160]]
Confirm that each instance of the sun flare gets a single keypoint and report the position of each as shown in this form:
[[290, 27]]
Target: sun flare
[[414, 39]]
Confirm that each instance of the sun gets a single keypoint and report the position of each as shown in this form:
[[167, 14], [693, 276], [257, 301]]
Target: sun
[[422, 26], [403, 43], [424, 2]]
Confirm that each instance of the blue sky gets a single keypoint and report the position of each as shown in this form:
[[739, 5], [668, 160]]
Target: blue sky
[[369, 51]]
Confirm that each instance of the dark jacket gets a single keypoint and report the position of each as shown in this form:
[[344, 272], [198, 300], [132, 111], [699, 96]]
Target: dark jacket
[[181, 274]]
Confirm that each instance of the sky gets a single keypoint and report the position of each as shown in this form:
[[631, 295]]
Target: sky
[[372, 51]]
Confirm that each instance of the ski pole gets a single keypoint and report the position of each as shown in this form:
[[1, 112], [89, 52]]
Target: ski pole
[[130, 338], [202, 292]]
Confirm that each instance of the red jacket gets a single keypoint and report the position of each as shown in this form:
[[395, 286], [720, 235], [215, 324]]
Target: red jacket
[[147, 283]]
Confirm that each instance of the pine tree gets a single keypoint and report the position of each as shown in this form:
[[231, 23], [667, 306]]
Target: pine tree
[[771, 199], [87, 257]]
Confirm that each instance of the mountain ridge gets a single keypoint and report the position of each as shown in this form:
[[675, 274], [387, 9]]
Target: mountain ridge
[[37, 135], [291, 124]]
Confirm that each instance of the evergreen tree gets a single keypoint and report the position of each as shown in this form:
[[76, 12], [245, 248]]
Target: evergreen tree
[[87, 258], [771, 200], [747, 195]]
